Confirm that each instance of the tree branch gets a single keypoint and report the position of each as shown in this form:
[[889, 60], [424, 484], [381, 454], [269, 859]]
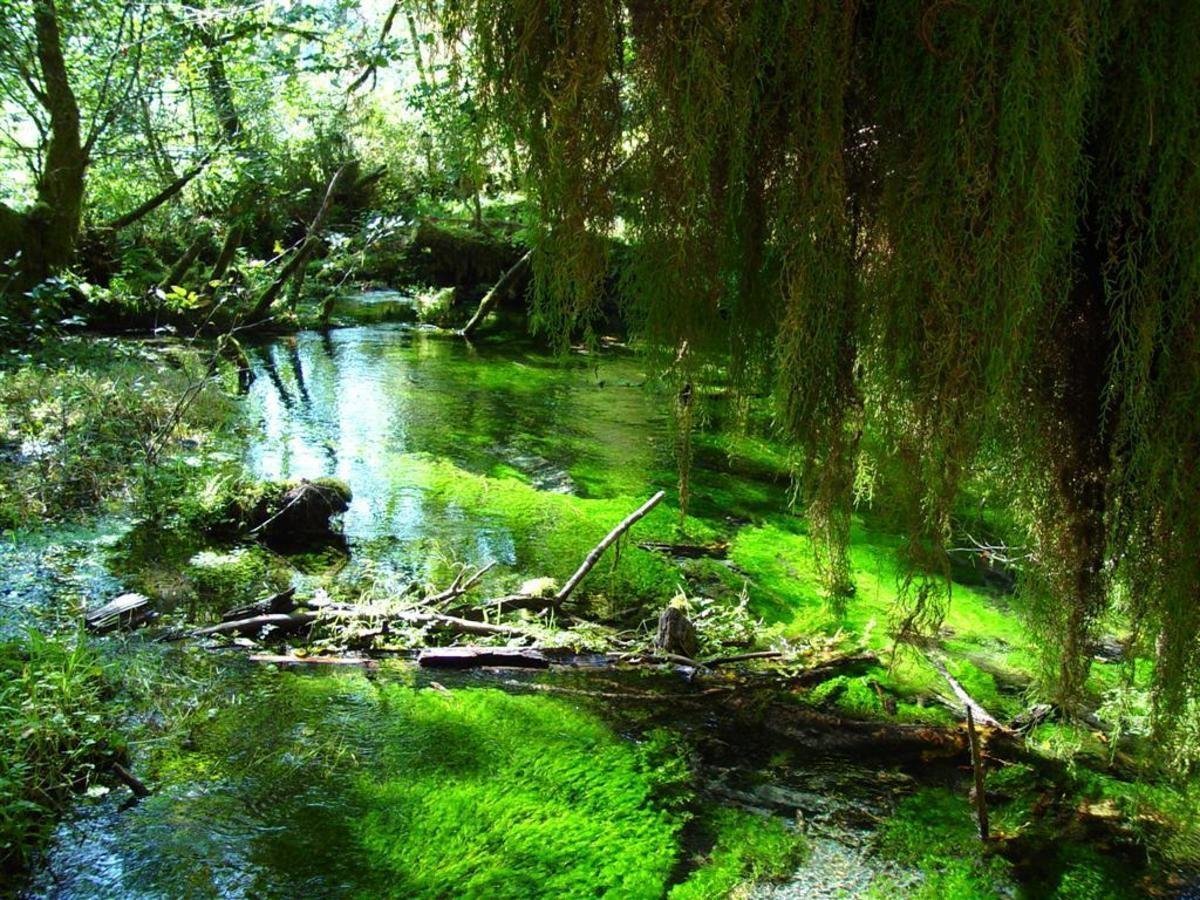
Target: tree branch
[[158, 199]]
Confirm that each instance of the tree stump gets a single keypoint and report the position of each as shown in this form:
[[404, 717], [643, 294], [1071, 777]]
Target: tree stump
[[676, 633]]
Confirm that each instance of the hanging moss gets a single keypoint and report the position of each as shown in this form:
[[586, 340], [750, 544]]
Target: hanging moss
[[963, 229]]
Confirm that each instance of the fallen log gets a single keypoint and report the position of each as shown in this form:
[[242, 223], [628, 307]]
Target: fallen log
[[833, 667], [125, 611], [460, 626], [283, 602], [282, 622], [741, 657], [609, 539], [473, 657]]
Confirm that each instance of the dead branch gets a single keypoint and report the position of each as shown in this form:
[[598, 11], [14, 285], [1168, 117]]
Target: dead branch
[[978, 796], [458, 587], [974, 709], [498, 290], [300, 257], [598, 551]]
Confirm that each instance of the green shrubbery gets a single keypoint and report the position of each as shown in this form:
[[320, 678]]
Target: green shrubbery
[[55, 735], [82, 420]]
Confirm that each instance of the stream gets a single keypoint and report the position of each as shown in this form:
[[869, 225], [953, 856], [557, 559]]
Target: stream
[[363, 783]]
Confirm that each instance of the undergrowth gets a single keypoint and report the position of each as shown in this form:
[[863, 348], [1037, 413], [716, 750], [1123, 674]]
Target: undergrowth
[[56, 737]]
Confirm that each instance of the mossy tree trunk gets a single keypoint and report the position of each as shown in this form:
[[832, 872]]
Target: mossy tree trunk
[[43, 237]]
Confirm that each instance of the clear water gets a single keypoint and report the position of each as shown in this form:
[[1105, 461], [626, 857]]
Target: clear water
[[265, 795]]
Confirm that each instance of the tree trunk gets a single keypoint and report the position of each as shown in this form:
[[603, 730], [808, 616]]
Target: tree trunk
[[144, 209], [233, 240], [1078, 419], [184, 263], [45, 235]]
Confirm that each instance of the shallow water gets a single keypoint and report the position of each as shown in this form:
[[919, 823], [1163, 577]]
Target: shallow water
[[299, 784]]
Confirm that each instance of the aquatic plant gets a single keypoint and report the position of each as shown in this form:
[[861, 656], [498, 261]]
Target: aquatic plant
[[56, 736]]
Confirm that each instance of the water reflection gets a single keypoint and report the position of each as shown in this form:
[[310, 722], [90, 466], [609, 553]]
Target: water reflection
[[368, 396]]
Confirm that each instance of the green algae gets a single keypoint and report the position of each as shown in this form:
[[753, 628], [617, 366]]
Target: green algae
[[746, 848], [389, 788], [553, 533]]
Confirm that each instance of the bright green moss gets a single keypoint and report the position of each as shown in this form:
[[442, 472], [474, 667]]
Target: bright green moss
[[747, 848], [483, 794], [553, 533], [934, 831], [387, 789], [786, 591]]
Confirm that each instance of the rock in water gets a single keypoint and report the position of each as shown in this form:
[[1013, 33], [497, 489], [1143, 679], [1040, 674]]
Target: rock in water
[[676, 633], [303, 510]]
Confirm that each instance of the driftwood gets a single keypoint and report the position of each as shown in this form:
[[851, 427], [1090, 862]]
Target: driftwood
[[127, 610], [283, 602], [282, 622], [472, 657], [598, 551]]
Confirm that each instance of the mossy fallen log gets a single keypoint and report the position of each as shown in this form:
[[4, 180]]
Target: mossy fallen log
[[287, 513]]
